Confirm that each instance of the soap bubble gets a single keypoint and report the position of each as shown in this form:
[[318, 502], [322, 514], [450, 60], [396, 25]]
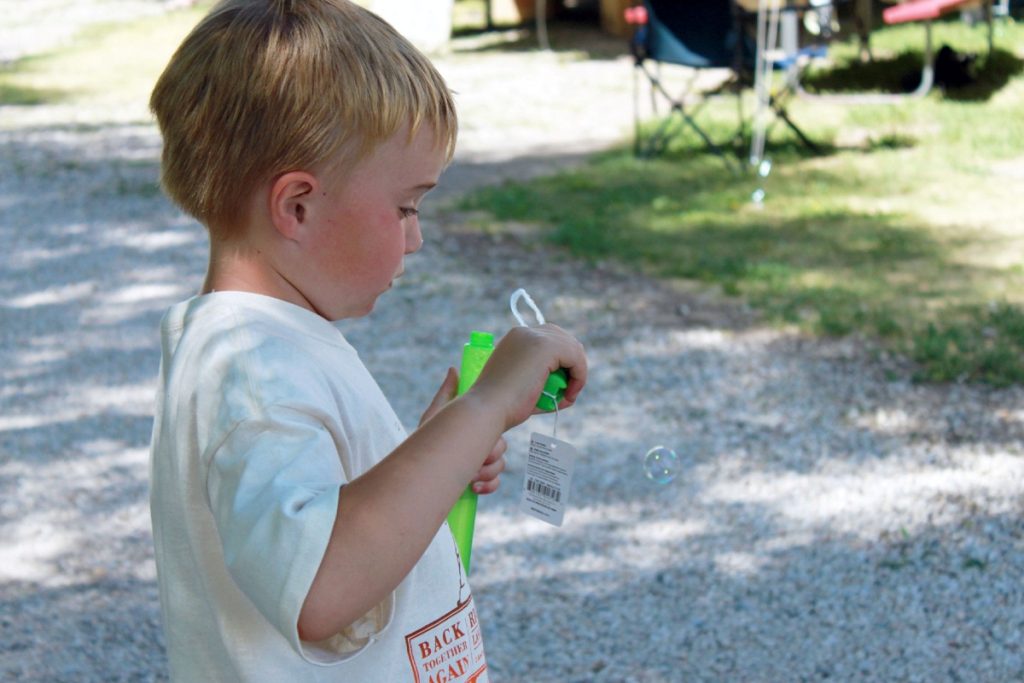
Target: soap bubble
[[661, 464], [757, 197], [764, 168]]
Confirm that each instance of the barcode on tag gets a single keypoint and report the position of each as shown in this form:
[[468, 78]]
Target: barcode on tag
[[549, 466], [544, 490]]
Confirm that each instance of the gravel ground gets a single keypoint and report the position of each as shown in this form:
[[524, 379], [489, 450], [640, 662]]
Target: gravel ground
[[831, 520]]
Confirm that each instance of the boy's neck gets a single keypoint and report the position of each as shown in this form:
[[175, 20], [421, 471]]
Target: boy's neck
[[245, 268]]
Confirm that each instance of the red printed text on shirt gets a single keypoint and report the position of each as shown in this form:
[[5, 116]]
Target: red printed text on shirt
[[449, 650]]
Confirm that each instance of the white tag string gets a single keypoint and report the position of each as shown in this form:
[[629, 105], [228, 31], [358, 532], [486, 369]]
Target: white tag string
[[554, 428], [514, 305]]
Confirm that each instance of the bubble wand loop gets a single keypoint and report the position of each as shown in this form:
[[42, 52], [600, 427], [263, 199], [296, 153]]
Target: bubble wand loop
[[513, 303], [558, 381], [462, 518]]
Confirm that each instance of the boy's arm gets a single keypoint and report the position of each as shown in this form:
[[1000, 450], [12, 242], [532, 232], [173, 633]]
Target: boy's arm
[[388, 516], [486, 480]]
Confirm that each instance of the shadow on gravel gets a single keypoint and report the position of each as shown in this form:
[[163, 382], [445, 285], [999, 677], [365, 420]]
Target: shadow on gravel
[[93, 256], [839, 608], [107, 630]]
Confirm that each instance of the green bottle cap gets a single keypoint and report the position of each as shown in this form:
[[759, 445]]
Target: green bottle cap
[[554, 386], [474, 357], [481, 339]]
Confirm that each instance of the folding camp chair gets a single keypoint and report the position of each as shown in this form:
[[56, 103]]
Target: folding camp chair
[[698, 34]]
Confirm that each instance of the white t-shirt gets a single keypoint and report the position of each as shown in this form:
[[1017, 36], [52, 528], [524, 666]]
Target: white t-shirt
[[264, 412]]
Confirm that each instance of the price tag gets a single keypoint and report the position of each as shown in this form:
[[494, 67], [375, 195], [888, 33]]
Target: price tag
[[549, 467]]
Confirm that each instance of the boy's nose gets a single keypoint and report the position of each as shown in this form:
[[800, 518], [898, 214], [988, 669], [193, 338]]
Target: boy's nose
[[413, 237]]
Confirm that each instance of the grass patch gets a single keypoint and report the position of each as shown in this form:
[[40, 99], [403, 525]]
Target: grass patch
[[107, 63], [27, 95], [904, 229], [987, 345]]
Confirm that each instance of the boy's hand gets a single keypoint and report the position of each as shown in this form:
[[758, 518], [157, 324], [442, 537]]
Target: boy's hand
[[487, 479], [446, 393], [515, 373]]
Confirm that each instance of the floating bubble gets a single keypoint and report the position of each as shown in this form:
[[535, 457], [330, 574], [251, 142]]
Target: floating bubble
[[661, 464], [764, 168], [757, 196]]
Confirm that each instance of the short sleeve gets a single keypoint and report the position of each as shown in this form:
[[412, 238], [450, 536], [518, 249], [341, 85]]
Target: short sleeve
[[273, 486]]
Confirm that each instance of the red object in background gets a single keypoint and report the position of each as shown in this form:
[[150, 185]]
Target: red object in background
[[921, 10], [636, 16]]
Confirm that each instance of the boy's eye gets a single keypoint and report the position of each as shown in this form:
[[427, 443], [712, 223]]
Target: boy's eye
[[408, 211]]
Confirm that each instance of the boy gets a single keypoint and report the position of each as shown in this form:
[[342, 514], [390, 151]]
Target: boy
[[299, 531]]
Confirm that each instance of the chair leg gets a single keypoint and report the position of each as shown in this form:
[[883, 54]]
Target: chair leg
[[636, 112], [783, 115], [987, 6], [711, 144], [658, 140]]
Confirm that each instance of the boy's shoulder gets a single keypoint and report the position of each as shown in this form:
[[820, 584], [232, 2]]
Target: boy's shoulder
[[266, 349], [254, 321]]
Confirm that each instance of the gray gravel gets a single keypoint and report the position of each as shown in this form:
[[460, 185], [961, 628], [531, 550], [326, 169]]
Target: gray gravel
[[831, 519]]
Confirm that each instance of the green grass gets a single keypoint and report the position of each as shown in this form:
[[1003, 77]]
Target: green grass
[[907, 229], [110, 64]]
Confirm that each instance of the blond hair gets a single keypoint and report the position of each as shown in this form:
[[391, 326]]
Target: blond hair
[[262, 87]]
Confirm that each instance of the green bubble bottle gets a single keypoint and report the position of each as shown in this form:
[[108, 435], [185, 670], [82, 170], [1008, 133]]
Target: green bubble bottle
[[463, 515]]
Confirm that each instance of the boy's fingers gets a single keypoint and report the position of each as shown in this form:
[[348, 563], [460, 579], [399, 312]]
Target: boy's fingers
[[498, 451], [577, 376], [446, 393], [449, 386], [574, 361], [486, 480], [484, 487], [489, 472], [577, 379], [489, 478]]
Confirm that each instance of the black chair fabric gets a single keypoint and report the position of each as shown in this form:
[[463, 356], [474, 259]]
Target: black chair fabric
[[702, 34]]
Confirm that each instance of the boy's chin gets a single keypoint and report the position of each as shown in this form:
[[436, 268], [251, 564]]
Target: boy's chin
[[358, 308], [360, 311]]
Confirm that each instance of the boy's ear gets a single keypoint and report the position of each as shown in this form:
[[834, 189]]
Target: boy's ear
[[290, 197]]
